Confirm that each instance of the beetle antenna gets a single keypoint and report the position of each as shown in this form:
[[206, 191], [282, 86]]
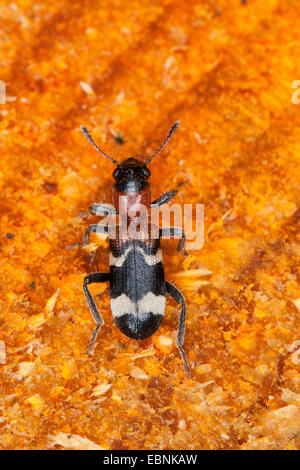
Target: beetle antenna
[[172, 130], [91, 140]]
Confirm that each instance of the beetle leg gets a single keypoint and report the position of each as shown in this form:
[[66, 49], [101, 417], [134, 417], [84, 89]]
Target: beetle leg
[[102, 209], [91, 279], [175, 232], [94, 228], [166, 197], [178, 297]]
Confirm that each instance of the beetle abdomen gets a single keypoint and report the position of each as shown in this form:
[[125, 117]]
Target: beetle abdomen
[[137, 288]]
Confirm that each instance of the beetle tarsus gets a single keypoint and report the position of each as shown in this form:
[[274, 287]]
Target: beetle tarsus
[[164, 198], [175, 232], [94, 228], [102, 209], [91, 346]]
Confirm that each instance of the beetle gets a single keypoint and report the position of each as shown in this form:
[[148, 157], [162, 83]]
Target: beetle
[[137, 283]]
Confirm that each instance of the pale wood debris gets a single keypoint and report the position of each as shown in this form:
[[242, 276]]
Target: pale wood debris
[[73, 441]]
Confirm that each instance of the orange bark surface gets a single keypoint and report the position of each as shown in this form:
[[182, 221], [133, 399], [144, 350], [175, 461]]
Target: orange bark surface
[[128, 70]]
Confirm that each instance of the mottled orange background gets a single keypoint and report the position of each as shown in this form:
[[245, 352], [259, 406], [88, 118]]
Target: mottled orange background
[[128, 70]]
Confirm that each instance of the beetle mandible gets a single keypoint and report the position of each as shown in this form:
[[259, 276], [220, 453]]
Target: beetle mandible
[[137, 283]]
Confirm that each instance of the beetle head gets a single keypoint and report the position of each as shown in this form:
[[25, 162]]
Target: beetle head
[[131, 175]]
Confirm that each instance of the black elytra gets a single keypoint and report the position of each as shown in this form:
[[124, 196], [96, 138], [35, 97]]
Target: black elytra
[[137, 283]]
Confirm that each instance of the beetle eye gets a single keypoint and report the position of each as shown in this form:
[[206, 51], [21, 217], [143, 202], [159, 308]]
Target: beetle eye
[[146, 172], [116, 173]]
